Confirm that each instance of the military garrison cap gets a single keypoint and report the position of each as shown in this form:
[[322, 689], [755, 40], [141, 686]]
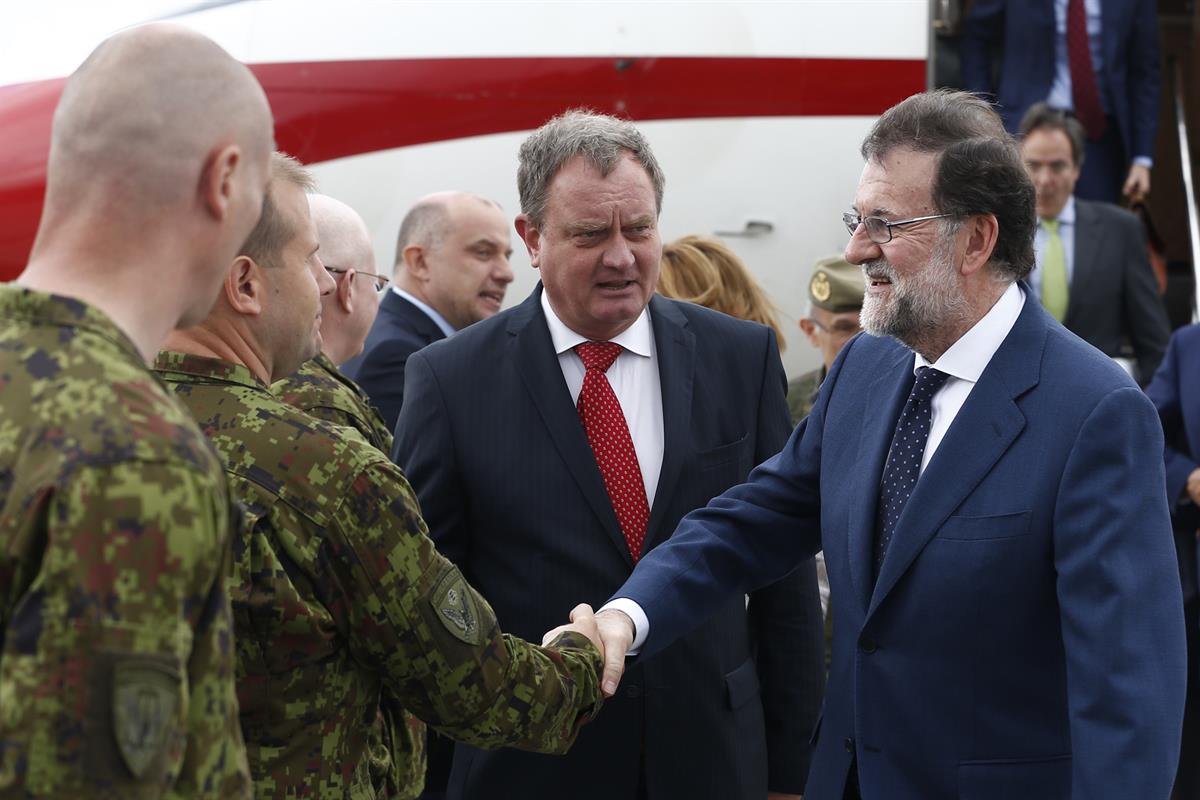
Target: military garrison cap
[[836, 285]]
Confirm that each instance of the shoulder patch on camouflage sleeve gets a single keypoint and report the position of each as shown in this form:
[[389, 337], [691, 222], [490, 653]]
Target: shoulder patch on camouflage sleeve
[[144, 696], [454, 605]]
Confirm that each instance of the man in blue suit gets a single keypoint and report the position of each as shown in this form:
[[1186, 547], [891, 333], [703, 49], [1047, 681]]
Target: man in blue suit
[[1119, 52], [451, 271], [1175, 392], [989, 489], [559, 442]]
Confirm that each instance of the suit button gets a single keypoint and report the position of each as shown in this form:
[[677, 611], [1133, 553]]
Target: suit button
[[633, 691], [849, 743], [868, 646]]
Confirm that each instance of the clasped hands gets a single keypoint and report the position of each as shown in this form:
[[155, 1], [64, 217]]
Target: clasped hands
[[612, 633]]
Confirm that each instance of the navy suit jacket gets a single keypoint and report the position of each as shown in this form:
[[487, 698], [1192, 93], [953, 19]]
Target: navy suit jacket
[[1025, 30], [400, 329], [1175, 392], [492, 442], [1025, 635], [1114, 294]]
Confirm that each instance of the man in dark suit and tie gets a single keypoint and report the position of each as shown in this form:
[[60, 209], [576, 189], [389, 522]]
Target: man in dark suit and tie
[[1091, 271], [451, 271], [990, 493], [1098, 58], [559, 442]]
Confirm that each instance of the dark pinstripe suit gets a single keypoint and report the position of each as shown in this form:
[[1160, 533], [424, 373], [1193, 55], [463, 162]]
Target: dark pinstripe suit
[[492, 442]]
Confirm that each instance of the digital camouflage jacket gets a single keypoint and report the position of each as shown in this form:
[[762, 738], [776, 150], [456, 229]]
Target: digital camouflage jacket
[[397, 745], [338, 593], [117, 662]]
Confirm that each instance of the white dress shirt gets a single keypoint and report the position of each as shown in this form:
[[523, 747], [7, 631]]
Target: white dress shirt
[[964, 362], [634, 379]]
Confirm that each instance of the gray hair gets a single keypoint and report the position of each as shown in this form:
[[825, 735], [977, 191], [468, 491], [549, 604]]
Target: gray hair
[[601, 139]]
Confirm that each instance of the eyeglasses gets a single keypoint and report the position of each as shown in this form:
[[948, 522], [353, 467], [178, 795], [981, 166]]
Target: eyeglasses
[[879, 230], [842, 327], [381, 282]]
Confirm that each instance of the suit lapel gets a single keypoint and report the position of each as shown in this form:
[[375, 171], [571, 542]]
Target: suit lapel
[[983, 430], [537, 364], [410, 316], [886, 394], [676, 351]]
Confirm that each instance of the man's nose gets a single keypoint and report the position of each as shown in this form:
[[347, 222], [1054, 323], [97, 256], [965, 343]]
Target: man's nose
[[503, 273], [860, 249], [617, 252]]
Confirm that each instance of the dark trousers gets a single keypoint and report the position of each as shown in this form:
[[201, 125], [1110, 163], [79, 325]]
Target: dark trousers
[[1105, 166]]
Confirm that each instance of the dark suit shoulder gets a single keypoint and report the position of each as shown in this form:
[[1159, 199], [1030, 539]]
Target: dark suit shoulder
[[1106, 214], [1187, 336]]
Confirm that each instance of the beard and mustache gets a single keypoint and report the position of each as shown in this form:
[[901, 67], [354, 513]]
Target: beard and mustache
[[921, 307]]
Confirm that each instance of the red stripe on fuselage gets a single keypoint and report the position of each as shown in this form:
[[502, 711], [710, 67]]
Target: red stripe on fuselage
[[332, 109]]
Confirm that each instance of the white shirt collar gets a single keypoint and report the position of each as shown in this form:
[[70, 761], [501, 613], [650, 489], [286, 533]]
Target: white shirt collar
[[437, 318], [637, 338], [1067, 215], [967, 358]]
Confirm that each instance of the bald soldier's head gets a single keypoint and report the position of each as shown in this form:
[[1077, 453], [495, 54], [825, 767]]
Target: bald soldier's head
[[156, 174], [346, 251]]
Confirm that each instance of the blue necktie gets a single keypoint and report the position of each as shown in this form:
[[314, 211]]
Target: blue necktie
[[904, 458]]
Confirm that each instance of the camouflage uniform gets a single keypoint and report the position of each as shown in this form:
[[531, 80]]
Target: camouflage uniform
[[802, 393], [397, 743], [338, 592], [117, 663], [320, 390]]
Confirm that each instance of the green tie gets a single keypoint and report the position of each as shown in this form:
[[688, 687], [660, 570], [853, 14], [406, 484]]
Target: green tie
[[1054, 287]]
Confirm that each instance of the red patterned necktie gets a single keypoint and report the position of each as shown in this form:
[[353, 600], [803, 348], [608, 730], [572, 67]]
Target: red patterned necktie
[[607, 433], [1083, 76]]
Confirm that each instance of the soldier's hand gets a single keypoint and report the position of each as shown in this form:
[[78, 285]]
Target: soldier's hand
[[582, 621], [616, 632]]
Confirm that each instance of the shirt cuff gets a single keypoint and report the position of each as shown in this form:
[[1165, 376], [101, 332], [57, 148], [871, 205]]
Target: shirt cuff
[[1144, 161], [641, 624]]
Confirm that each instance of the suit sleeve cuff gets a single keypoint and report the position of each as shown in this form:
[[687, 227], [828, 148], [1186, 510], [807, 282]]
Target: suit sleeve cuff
[[641, 625]]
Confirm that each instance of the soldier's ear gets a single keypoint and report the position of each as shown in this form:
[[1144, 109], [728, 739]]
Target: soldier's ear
[[810, 330], [218, 180], [244, 286]]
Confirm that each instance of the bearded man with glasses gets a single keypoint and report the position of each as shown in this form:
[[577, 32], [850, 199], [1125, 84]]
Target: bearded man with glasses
[[989, 493]]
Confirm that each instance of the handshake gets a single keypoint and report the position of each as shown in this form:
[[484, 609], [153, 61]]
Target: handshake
[[610, 630]]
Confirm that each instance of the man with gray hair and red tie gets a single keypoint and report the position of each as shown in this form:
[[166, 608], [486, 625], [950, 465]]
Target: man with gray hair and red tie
[[556, 443]]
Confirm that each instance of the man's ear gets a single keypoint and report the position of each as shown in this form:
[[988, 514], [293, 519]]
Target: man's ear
[[978, 236], [415, 263], [532, 238], [217, 180], [810, 330], [345, 290], [244, 286]]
